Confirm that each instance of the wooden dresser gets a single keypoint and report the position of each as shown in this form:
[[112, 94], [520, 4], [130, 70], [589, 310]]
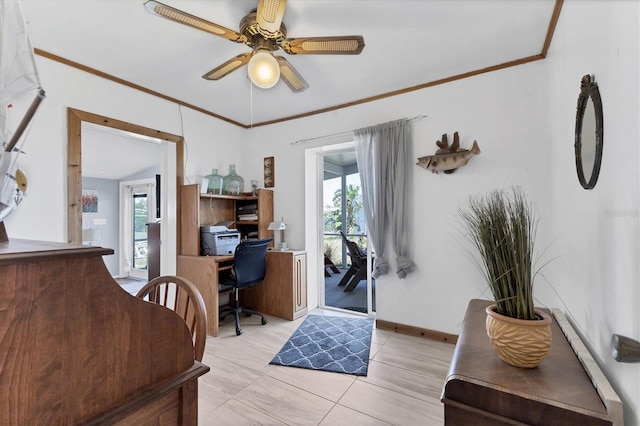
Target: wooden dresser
[[75, 348], [481, 389]]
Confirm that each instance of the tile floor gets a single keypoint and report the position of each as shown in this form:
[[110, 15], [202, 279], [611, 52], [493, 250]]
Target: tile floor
[[131, 285], [403, 387]]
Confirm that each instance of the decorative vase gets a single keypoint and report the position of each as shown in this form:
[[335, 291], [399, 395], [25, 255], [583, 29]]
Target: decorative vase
[[521, 343], [233, 184], [215, 182]]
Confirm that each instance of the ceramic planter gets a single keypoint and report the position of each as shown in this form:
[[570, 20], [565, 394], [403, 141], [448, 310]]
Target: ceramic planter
[[521, 343]]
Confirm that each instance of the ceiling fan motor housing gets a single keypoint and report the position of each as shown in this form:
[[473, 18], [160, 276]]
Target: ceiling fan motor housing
[[255, 35]]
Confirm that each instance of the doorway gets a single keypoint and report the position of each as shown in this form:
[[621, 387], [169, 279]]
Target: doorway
[[347, 281], [137, 199], [109, 157], [172, 169]]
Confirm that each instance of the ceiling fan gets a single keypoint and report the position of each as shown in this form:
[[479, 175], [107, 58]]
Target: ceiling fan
[[263, 30]]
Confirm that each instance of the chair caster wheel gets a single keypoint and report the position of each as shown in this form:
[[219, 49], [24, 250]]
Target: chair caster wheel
[[238, 332], [264, 321]]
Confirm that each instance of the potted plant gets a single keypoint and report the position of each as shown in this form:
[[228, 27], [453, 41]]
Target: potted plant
[[502, 227]]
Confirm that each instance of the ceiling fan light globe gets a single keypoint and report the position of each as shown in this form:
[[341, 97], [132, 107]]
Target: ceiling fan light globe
[[263, 69]]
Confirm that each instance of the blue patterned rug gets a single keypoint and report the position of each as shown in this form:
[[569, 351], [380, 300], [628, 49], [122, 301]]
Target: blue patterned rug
[[338, 344]]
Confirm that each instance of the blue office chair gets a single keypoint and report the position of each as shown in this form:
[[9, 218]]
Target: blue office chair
[[249, 268]]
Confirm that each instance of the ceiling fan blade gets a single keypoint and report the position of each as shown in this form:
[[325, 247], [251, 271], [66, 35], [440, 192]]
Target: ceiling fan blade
[[290, 76], [231, 65], [181, 17], [269, 16], [334, 45]]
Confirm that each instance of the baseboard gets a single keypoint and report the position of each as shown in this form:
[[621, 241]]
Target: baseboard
[[417, 331]]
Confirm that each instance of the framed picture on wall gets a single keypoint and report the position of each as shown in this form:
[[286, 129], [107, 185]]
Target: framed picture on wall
[[269, 172], [89, 201]]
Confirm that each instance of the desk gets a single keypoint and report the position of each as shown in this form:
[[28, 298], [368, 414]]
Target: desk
[[76, 349], [283, 293], [203, 272], [481, 389]]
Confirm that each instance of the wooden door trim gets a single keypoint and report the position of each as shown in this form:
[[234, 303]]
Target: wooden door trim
[[75, 118]]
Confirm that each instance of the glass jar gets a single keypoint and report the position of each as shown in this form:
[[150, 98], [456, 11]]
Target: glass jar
[[215, 182], [233, 184]]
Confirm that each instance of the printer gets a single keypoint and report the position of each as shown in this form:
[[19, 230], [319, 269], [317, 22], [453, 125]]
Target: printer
[[218, 240]]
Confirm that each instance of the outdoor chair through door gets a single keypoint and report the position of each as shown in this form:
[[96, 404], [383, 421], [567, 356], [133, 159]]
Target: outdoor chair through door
[[358, 269]]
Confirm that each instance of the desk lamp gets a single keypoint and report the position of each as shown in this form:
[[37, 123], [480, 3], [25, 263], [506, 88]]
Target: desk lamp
[[279, 226], [91, 235]]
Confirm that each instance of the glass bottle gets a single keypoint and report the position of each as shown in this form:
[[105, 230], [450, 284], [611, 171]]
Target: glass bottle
[[233, 184], [215, 182]]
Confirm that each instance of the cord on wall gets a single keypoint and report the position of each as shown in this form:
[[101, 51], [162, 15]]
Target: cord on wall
[[184, 142]]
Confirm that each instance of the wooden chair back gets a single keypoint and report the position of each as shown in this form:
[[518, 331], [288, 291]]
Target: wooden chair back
[[181, 296], [358, 255]]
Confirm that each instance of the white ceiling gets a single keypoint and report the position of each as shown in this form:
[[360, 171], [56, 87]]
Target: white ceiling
[[407, 43]]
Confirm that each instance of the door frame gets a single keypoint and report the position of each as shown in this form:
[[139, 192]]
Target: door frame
[[170, 226], [314, 174]]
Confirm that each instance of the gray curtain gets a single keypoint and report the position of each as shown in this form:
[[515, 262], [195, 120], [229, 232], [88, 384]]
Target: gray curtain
[[383, 153]]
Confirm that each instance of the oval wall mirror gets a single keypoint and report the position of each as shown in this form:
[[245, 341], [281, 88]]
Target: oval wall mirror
[[589, 133]]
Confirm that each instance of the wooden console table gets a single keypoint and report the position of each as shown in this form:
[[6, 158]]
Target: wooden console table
[[481, 389]]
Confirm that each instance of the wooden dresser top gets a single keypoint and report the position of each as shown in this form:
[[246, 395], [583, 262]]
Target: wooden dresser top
[[558, 387]]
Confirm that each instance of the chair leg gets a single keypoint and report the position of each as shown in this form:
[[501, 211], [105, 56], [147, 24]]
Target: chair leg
[[237, 310], [252, 312], [227, 309], [359, 276], [224, 311], [236, 313], [328, 264], [350, 272]]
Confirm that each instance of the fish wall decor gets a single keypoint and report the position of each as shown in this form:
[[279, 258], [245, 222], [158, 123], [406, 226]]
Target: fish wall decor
[[448, 158]]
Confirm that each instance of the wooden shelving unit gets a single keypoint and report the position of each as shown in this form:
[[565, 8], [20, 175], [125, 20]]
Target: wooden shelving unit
[[208, 209], [283, 293]]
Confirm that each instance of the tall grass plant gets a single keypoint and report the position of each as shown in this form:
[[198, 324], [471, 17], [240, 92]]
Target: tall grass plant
[[502, 226]]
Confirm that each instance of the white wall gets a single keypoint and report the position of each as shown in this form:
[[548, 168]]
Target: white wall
[[523, 120], [43, 213], [498, 111], [596, 276], [109, 212]]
